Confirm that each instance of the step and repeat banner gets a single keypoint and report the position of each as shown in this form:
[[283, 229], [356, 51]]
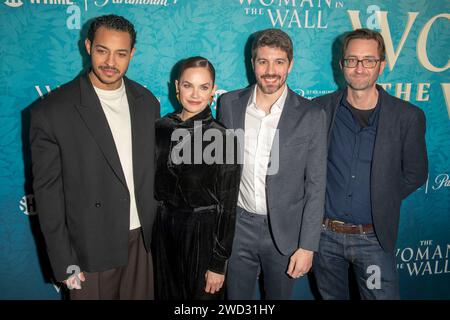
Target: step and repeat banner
[[43, 47]]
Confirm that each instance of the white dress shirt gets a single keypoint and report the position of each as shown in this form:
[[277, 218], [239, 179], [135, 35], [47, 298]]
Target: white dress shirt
[[260, 129]]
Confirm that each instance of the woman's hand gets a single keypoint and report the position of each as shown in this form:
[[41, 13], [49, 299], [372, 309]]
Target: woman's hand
[[214, 281]]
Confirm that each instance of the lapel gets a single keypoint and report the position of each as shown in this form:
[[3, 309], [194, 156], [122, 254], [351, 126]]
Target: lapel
[[289, 118], [139, 132], [332, 110], [92, 113], [241, 108], [286, 127], [382, 138], [238, 112]]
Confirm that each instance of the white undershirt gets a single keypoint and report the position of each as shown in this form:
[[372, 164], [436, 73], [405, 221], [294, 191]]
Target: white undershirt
[[117, 111], [260, 129]]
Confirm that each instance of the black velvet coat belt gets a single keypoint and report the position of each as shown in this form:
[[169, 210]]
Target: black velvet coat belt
[[187, 179]]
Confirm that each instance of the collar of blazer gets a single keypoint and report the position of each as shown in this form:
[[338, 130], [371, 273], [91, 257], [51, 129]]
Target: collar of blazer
[[386, 110], [88, 97], [289, 119], [336, 97], [92, 113], [241, 102], [387, 120]]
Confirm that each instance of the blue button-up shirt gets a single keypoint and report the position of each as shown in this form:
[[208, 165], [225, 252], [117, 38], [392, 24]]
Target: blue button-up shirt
[[349, 166]]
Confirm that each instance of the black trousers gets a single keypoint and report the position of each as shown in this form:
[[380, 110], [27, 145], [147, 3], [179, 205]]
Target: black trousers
[[131, 282]]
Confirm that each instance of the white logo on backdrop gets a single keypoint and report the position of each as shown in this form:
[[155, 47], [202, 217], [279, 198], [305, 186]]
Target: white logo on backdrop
[[164, 3], [428, 258], [311, 93], [28, 205], [53, 2], [41, 92], [291, 13], [440, 182], [14, 3]]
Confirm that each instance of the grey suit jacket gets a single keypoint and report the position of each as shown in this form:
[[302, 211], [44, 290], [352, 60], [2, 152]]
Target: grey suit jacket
[[295, 194]]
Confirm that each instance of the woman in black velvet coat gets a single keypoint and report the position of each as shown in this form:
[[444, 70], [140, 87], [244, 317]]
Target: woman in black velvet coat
[[197, 182]]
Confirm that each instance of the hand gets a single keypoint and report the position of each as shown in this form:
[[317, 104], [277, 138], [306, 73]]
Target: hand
[[214, 281], [300, 263], [73, 282]]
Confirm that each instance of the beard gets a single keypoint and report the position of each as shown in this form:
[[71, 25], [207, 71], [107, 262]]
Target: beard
[[273, 87]]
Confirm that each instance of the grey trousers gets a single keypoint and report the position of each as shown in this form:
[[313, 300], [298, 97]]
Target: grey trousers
[[254, 253]]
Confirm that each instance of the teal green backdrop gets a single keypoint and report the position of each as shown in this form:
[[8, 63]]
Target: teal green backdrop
[[43, 47]]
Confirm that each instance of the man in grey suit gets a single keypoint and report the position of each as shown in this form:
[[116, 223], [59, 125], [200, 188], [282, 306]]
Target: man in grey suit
[[281, 194]]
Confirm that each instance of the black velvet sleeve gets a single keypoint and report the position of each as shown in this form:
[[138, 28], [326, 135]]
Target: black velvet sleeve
[[227, 189]]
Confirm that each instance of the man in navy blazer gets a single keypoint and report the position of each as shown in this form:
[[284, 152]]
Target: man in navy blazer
[[281, 194], [376, 157]]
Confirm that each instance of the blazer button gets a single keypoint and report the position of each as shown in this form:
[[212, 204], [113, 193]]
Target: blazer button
[[98, 204]]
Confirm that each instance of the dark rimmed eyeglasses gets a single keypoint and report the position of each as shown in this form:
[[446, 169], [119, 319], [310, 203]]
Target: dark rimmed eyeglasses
[[368, 63]]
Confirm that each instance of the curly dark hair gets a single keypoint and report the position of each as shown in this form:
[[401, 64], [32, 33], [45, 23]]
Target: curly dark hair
[[113, 22], [274, 38]]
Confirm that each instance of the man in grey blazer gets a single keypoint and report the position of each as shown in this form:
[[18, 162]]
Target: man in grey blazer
[[281, 194], [376, 157]]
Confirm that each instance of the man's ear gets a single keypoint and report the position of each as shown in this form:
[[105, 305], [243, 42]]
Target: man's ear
[[382, 65], [132, 52], [291, 65], [87, 44]]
